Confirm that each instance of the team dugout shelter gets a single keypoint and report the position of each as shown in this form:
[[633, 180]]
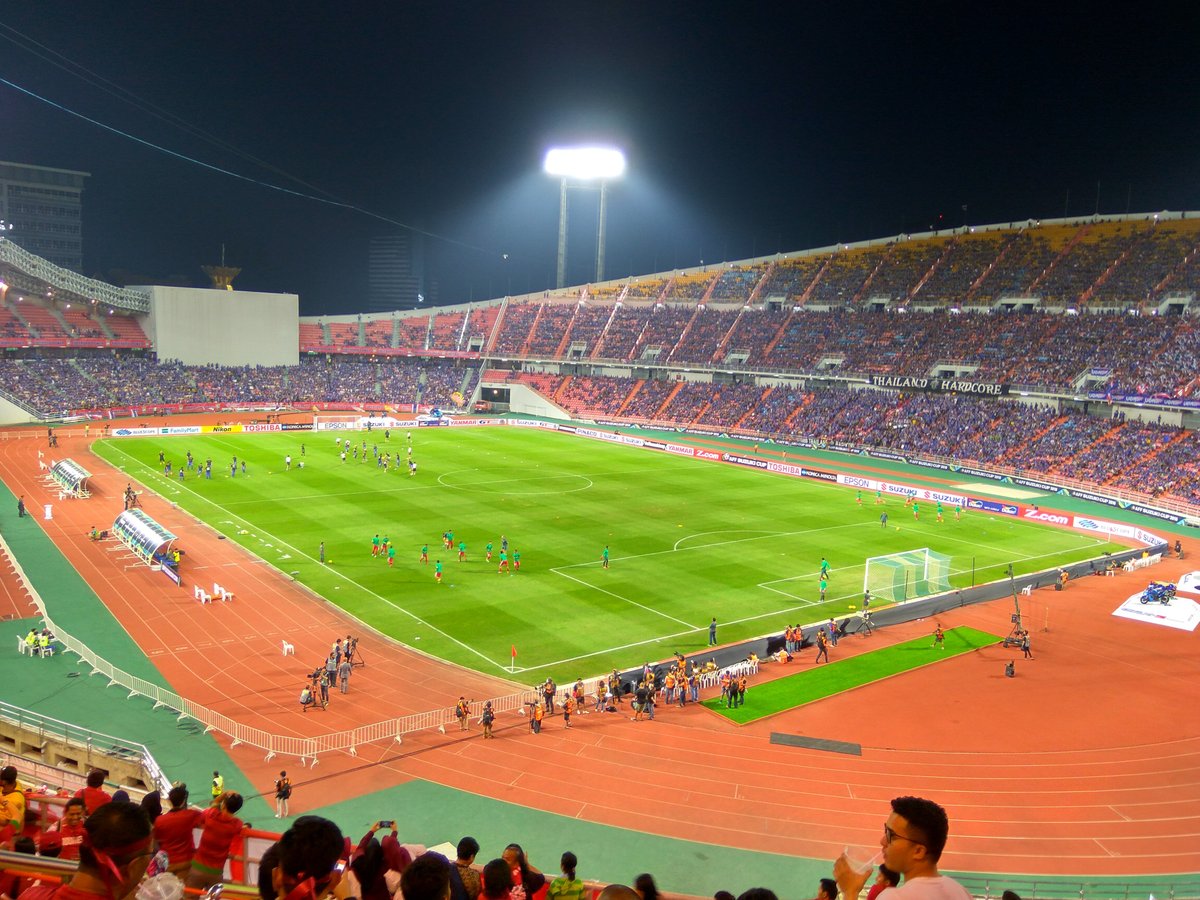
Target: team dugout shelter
[[71, 478], [145, 538]]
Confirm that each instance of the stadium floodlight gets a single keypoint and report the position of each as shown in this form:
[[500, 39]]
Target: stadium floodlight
[[586, 165]]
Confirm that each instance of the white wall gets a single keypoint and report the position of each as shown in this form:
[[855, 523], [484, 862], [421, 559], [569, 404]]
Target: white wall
[[530, 403], [199, 326], [11, 414]]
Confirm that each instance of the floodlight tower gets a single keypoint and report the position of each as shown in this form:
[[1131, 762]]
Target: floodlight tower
[[582, 167]]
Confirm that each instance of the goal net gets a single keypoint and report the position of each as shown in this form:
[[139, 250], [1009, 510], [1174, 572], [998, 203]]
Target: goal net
[[897, 577]]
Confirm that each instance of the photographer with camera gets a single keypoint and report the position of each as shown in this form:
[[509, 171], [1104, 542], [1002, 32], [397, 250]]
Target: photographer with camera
[[283, 793], [373, 860], [462, 711]]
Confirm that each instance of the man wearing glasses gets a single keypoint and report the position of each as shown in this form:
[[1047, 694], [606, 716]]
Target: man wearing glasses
[[913, 838]]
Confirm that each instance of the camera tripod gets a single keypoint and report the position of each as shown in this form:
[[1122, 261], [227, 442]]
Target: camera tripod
[[1014, 636]]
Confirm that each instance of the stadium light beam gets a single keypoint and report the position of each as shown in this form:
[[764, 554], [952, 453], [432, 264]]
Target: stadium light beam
[[583, 165]]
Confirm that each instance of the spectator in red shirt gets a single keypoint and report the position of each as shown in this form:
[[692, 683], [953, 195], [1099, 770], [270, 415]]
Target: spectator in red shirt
[[884, 879], [111, 862], [221, 827], [94, 796], [12, 884], [173, 831], [68, 833]]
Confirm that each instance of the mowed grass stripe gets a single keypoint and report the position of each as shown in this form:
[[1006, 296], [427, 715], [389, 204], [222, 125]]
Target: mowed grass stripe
[[689, 540], [825, 680]]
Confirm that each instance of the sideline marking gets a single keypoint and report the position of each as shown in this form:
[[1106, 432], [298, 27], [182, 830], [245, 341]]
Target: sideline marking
[[338, 574]]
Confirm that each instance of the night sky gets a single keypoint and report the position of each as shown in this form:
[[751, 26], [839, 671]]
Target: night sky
[[750, 128]]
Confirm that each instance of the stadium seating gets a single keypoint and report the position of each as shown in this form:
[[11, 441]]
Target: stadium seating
[[911, 307]]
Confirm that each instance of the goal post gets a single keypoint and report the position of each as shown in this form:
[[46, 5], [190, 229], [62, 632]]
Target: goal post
[[896, 577]]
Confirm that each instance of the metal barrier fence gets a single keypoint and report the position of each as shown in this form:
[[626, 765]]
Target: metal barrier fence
[[97, 742], [306, 749], [1158, 887]]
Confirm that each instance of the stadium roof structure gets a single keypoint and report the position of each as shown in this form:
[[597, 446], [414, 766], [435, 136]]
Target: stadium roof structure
[[37, 270]]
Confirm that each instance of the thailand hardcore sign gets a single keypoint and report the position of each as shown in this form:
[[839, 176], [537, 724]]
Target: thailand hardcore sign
[[941, 385]]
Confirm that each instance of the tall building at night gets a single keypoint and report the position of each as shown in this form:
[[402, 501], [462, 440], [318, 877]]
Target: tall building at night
[[44, 206], [396, 272]]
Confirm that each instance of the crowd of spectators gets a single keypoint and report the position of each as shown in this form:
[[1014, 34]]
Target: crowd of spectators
[[846, 276], [967, 258], [788, 279], [1032, 438], [621, 332], [594, 396], [588, 327], [736, 283], [648, 399], [552, 324], [105, 380], [1142, 354], [729, 404], [902, 269], [1144, 456], [691, 287], [1173, 470], [121, 847], [662, 327], [515, 326], [704, 335]]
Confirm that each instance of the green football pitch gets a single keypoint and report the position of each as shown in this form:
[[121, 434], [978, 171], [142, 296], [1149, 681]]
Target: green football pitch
[[688, 540]]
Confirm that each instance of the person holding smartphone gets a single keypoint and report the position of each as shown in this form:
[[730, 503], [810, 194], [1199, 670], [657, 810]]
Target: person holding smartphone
[[373, 859]]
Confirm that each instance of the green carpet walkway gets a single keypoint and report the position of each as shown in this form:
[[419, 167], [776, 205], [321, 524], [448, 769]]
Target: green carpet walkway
[[825, 680]]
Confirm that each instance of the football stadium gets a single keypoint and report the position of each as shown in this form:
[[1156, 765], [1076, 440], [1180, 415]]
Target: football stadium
[[770, 577], [199, 535]]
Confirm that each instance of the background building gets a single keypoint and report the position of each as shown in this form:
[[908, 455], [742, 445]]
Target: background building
[[45, 208], [396, 272]]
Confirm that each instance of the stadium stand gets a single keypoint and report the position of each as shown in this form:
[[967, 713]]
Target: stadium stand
[[817, 314], [967, 258], [703, 319]]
